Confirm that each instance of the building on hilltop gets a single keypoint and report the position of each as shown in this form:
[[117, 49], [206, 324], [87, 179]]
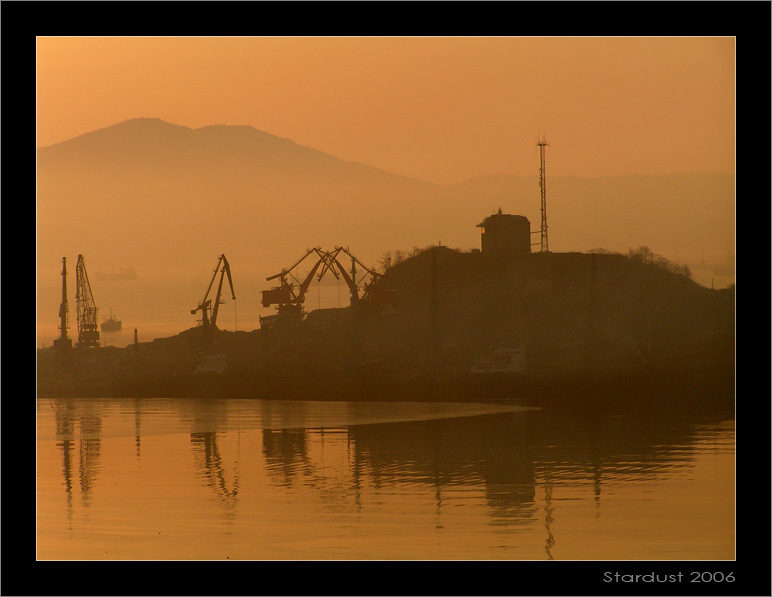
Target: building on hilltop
[[505, 235]]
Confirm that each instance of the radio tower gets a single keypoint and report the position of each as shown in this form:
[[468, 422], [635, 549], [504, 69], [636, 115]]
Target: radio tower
[[88, 334], [541, 144]]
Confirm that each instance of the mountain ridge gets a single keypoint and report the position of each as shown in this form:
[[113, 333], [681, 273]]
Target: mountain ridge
[[227, 137], [244, 190]]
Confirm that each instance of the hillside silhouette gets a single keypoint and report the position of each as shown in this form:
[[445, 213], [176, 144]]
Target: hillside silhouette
[[579, 316]]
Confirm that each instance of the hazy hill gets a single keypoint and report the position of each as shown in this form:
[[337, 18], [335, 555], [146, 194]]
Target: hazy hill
[[198, 192], [167, 198], [148, 192], [571, 310]]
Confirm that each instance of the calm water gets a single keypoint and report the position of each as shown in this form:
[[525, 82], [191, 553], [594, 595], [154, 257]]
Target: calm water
[[195, 479]]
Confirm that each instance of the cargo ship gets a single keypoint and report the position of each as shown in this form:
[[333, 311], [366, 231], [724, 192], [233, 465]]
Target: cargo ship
[[111, 324]]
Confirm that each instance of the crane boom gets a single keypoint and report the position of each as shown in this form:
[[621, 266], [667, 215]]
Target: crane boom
[[329, 260], [226, 270], [223, 268], [363, 266], [352, 286], [307, 281], [284, 272]]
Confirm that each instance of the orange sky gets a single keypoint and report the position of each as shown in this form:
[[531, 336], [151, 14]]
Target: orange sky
[[440, 108]]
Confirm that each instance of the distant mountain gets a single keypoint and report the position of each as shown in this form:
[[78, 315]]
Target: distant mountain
[[163, 192], [153, 193]]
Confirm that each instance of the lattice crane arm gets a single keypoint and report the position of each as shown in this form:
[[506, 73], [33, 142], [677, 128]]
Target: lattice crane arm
[[223, 268], [226, 270], [284, 272]]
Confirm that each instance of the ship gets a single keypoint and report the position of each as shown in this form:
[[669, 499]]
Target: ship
[[111, 324], [123, 274]]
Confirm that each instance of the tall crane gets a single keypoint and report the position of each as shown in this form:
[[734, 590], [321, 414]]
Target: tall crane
[[286, 296], [208, 310], [368, 288], [88, 333], [63, 342], [290, 298]]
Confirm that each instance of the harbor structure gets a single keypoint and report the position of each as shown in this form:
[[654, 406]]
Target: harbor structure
[[505, 235]]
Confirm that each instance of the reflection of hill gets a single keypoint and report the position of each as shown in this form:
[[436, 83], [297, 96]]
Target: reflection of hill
[[508, 455], [286, 453], [509, 458], [445, 451]]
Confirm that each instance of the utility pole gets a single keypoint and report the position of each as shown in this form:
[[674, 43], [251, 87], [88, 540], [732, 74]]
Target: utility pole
[[63, 343], [541, 144]]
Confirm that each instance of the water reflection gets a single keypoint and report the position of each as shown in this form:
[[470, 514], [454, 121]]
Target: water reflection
[[286, 454], [513, 468], [209, 461], [64, 417], [89, 446], [488, 451]]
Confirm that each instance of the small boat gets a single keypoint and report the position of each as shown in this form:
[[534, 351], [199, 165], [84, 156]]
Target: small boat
[[112, 324]]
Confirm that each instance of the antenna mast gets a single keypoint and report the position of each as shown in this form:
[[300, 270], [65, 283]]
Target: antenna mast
[[541, 144]]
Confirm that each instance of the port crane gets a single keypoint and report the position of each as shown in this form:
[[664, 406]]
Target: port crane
[[63, 343], [208, 306], [88, 334], [290, 298]]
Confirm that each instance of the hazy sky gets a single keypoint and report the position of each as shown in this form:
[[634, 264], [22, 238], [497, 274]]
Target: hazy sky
[[441, 108]]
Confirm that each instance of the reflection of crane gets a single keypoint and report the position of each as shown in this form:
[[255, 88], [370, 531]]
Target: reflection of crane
[[209, 312], [289, 299], [205, 444], [88, 334]]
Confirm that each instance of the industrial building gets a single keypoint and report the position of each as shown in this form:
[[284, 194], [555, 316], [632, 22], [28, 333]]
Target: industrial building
[[505, 235]]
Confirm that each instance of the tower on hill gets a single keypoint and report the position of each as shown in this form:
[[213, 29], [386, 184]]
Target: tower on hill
[[505, 235]]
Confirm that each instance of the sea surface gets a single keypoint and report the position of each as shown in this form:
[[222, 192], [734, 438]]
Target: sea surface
[[191, 479]]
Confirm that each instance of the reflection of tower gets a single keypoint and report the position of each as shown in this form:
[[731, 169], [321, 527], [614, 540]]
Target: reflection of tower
[[90, 444], [548, 509], [65, 431], [593, 435], [357, 472], [205, 444], [436, 433], [541, 144], [137, 421]]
